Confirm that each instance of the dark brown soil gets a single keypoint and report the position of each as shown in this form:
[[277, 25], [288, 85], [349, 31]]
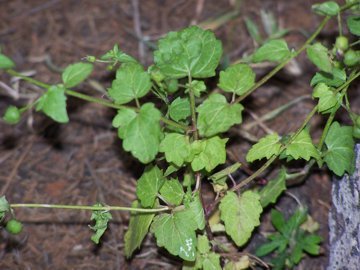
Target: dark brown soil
[[82, 162]]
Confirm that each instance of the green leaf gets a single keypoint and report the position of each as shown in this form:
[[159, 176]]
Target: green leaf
[[329, 8], [278, 220], [117, 55], [138, 228], [211, 262], [172, 192], [177, 148], [219, 176], [336, 78], [101, 218], [197, 87], [310, 244], [212, 153], [176, 233], [149, 185], [141, 133], [190, 52], [240, 215], [12, 115], [203, 244], [4, 206], [268, 247], [327, 98], [76, 73], [319, 56], [353, 23], [215, 115], [302, 147], [197, 210], [274, 50], [340, 144], [253, 30], [6, 62], [238, 79], [294, 222], [273, 189], [53, 104], [131, 82], [179, 109], [266, 147]]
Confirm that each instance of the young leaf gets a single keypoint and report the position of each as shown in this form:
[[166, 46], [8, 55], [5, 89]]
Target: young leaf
[[218, 177], [270, 246], [319, 56], [176, 233], [329, 8], [212, 153], [302, 147], [179, 109], [4, 206], [101, 218], [149, 185], [197, 210], [131, 82], [12, 115], [253, 30], [278, 220], [336, 78], [177, 148], [53, 104], [340, 154], [217, 116], [138, 228], [76, 73], [238, 79], [203, 244], [310, 243], [353, 23], [142, 133], [240, 215], [197, 86], [6, 62], [273, 189], [117, 55], [327, 98], [266, 147], [211, 261], [274, 50], [122, 120], [172, 192], [190, 52]]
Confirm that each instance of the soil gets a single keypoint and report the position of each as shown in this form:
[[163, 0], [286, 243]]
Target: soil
[[83, 162]]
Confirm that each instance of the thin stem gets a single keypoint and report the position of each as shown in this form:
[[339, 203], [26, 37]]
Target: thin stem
[[88, 207], [28, 79], [193, 109], [339, 24]]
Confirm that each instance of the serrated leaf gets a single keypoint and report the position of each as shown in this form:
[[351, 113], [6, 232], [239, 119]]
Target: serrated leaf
[[211, 261], [122, 120], [190, 52], [274, 50], [240, 215], [353, 23], [142, 134], [172, 192], [329, 8], [53, 104], [149, 185], [327, 98], [340, 144], [212, 153], [176, 233], [266, 147], [336, 78], [177, 148], [237, 79], [302, 147], [196, 86], [138, 228], [101, 218], [215, 115], [6, 62], [179, 109], [76, 73], [319, 56], [273, 189], [197, 210], [131, 82]]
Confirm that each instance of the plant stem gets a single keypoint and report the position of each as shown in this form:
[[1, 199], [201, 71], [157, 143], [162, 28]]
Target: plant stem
[[28, 79], [193, 110], [88, 207]]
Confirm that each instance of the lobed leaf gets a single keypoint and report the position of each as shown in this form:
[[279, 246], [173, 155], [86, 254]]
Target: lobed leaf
[[327, 97], [172, 192], [179, 109], [177, 148], [273, 189], [302, 147], [238, 79], [190, 52], [102, 219], [266, 147], [240, 215]]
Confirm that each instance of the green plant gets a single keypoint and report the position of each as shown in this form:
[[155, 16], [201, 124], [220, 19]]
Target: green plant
[[182, 139]]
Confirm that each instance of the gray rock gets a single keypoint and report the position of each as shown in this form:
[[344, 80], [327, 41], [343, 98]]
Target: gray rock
[[344, 221]]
